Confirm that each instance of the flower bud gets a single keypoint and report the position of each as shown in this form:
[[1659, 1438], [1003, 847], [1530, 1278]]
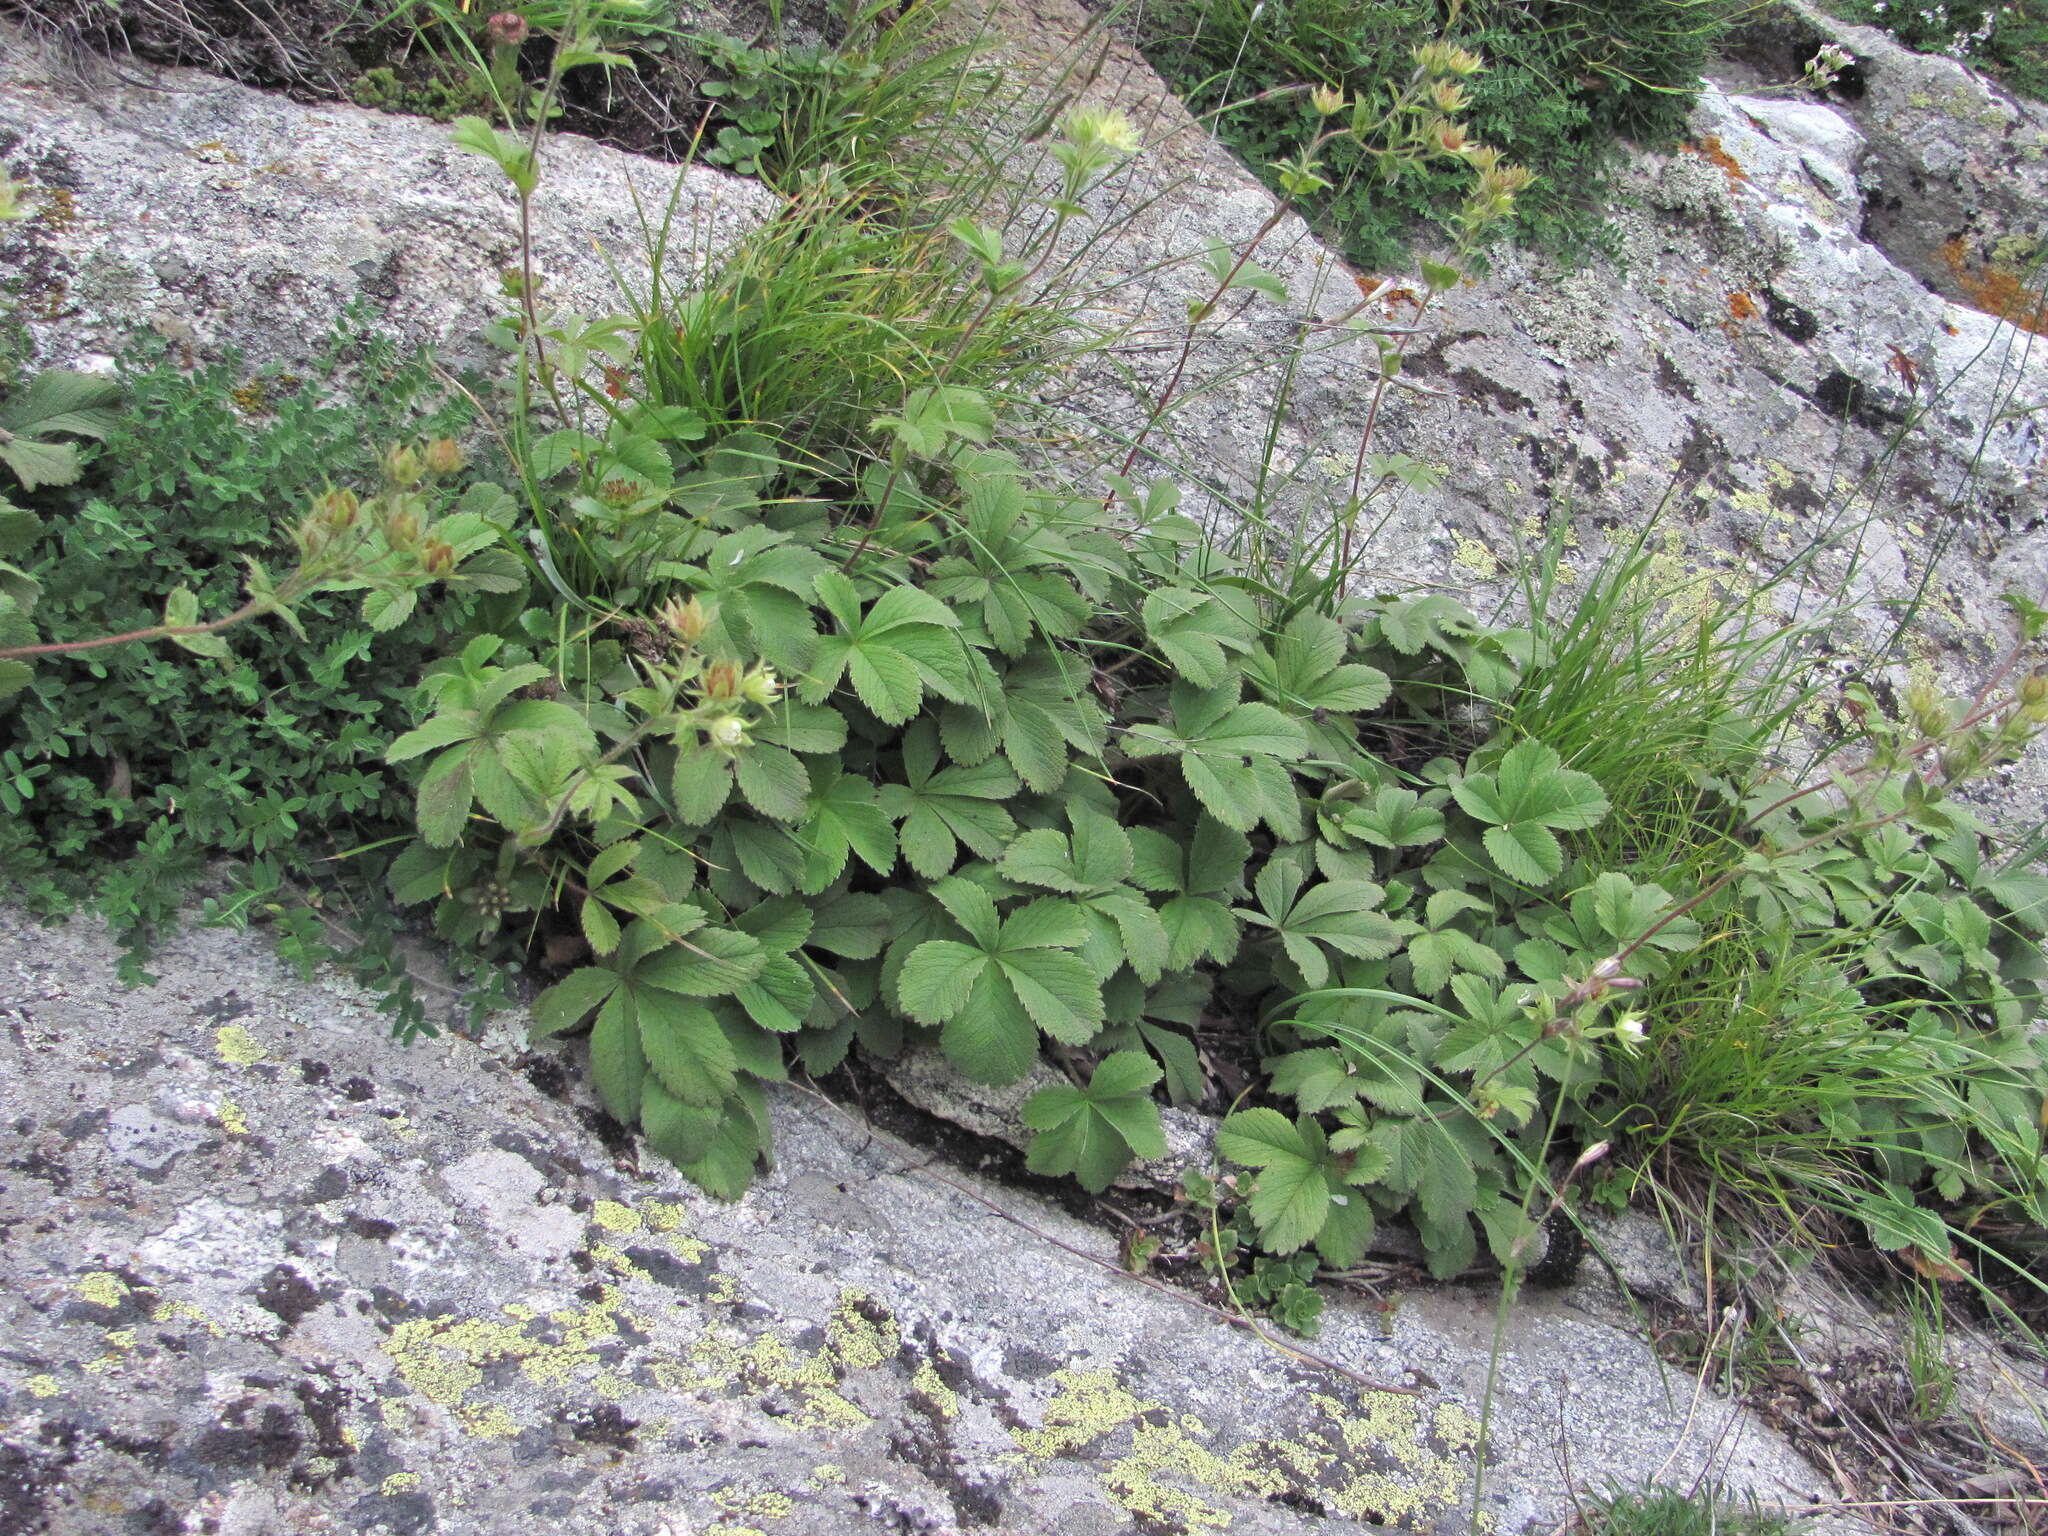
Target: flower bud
[[1449, 96], [1447, 136], [687, 621], [2034, 689], [721, 681], [1101, 127], [402, 523], [438, 558], [402, 466], [1327, 101], [728, 733], [444, 456], [761, 686], [507, 29], [337, 509]]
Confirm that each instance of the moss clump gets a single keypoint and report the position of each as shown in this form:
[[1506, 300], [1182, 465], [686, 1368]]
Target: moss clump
[[443, 95]]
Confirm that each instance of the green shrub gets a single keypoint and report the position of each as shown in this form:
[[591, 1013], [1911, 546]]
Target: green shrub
[[2007, 39], [127, 770], [999, 777], [1564, 83]]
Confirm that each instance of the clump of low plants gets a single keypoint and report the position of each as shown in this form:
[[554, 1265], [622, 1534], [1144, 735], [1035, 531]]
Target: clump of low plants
[[2007, 39], [125, 769], [1564, 86]]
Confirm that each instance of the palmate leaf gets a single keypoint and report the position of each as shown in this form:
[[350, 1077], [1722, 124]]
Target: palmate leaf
[[758, 586], [940, 809], [1302, 1194], [56, 401], [1528, 798], [1304, 671], [1044, 711], [1342, 915], [842, 816], [661, 1055], [902, 645], [1020, 975], [770, 778], [1094, 1132], [1231, 754], [1395, 818], [1199, 633]]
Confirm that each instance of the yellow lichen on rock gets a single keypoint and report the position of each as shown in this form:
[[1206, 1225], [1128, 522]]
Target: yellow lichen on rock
[[1388, 1460], [102, 1288], [236, 1046]]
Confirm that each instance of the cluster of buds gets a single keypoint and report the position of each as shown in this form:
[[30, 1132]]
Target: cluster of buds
[[1090, 142], [1967, 739], [1826, 66], [726, 690], [333, 514], [725, 682], [407, 464], [1493, 195], [1604, 981], [1439, 59]]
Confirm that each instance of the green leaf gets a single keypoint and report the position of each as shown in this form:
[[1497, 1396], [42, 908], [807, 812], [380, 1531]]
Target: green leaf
[[1525, 852], [773, 781], [938, 979], [842, 816], [1094, 1132], [1197, 633], [1260, 1137], [936, 415], [1305, 671], [686, 1050], [710, 962], [181, 610], [680, 1132], [572, 1000], [1059, 991], [1340, 915], [1529, 795], [617, 1064]]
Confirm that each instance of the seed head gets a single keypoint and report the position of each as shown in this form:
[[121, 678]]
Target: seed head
[[507, 29], [1101, 128], [402, 523], [721, 681], [1436, 59]]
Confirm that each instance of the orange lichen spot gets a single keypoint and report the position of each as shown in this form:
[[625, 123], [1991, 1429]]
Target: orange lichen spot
[[1996, 289], [1741, 306], [1709, 149]]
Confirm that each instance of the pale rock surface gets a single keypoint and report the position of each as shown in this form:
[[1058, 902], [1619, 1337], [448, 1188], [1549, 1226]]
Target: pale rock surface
[[225, 217], [407, 1290]]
